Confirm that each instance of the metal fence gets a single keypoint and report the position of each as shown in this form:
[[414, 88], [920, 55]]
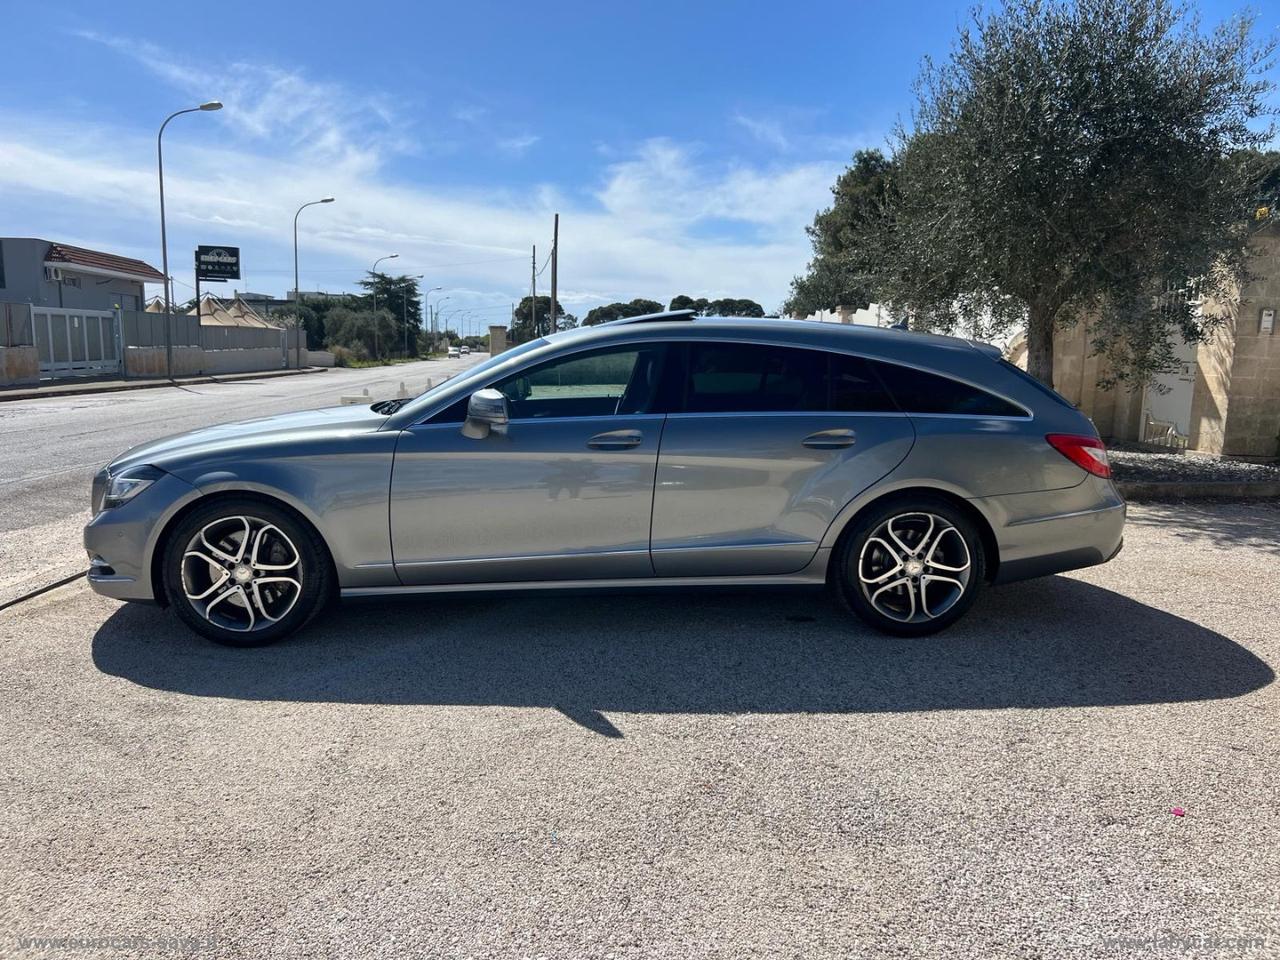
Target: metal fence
[[141, 329], [16, 329], [244, 338]]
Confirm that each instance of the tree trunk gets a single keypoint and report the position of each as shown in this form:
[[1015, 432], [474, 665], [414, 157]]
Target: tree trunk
[[1040, 343]]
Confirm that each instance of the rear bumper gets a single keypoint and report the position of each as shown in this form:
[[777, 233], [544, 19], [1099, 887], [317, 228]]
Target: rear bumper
[[1043, 533]]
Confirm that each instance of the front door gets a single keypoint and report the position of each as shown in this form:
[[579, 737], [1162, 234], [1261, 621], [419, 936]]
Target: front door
[[564, 493], [769, 444]]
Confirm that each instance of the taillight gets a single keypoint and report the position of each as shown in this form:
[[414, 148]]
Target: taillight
[[1087, 453]]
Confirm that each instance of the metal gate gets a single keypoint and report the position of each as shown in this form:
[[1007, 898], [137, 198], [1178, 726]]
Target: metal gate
[[76, 343]]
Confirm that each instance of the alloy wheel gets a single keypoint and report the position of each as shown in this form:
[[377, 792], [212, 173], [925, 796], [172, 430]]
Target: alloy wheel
[[914, 567], [241, 573]]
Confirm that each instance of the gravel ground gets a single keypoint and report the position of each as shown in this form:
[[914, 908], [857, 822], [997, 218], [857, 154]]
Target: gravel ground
[[696, 776], [1131, 464]]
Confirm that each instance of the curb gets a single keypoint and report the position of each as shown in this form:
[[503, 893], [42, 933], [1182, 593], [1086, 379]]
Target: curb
[[1199, 490], [37, 393]]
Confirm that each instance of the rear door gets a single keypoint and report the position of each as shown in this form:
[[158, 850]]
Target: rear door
[[765, 445]]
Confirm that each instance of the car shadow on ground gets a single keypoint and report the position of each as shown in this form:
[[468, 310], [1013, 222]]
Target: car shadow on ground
[[1049, 643]]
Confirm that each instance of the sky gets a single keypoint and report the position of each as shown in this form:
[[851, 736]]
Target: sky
[[685, 145]]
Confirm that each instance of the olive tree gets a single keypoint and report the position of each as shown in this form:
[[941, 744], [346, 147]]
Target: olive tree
[[1094, 159]]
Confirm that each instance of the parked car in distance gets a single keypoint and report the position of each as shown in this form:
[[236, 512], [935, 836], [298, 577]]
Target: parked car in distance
[[454, 353], [465, 350], [907, 471]]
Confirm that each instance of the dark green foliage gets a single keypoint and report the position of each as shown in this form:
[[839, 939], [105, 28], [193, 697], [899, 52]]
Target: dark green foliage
[[1088, 161]]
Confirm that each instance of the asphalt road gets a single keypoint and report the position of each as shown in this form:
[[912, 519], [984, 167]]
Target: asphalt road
[[52, 448], [725, 775]]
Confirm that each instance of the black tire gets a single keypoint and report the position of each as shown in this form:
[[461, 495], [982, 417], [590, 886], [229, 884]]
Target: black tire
[[250, 601], [856, 559]]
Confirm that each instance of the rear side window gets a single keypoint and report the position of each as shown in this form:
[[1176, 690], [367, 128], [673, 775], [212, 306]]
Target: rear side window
[[761, 378], [750, 378], [1043, 388], [919, 392]]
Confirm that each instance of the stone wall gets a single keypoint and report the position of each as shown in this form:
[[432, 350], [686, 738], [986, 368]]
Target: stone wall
[[497, 339], [152, 362], [19, 365], [1115, 412], [1248, 389]]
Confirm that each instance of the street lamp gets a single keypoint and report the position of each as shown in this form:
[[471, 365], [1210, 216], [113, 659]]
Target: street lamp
[[427, 311], [435, 323], [297, 294], [164, 238], [374, 272], [404, 303]]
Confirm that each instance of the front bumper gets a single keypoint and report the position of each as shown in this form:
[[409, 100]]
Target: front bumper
[[121, 542]]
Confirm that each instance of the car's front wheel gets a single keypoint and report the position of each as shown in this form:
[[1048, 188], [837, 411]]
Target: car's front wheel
[[245, 573], [912, 566]]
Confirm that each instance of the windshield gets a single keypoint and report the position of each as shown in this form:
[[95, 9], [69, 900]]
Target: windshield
[[480, 372]]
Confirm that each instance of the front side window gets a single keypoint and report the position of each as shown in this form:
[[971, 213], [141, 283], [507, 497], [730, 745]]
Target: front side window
[[602, 383]]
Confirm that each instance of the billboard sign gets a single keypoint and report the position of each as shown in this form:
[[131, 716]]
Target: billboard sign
[[217, 263]]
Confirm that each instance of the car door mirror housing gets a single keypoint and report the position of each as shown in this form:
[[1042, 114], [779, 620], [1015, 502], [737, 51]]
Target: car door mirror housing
[[486, 413]]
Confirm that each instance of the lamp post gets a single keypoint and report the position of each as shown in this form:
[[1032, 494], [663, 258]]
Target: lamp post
[[427, 311], [374, 273], [435, 324], [164, 238], [404, 303], [297, 294]]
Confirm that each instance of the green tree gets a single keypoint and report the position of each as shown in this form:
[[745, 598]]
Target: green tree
[[835, 277], [683, 302], [1072, 161], [377, 332], [400, 298], [729, 307], [619, 311], [528, 323]]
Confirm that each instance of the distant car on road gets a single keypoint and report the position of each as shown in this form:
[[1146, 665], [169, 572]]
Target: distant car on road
[[465, 350], [454, 353], [905, 470]]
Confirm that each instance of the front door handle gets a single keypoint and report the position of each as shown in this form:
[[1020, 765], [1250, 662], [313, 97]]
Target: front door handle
[[830, 439], [616, 440]]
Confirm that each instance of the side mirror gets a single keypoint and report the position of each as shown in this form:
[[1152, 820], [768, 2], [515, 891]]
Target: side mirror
[[486, 413]]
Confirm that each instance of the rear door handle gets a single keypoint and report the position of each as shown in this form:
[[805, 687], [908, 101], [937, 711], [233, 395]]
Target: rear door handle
[[830, 439], [616, 440]]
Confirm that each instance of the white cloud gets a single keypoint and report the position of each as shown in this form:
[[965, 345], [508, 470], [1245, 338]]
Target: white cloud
[[517, 145], [766, 131], [325, 121], [662, 218]]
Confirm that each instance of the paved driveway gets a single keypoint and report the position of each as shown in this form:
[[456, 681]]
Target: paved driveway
[[726, 775]]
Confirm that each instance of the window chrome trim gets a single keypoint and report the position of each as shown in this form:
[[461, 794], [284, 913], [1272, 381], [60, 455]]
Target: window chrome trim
[[593, 417], [977, 416], [667, 340], [895, 414]]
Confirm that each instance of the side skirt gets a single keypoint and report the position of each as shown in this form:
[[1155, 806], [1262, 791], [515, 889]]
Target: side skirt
[[813, 575]]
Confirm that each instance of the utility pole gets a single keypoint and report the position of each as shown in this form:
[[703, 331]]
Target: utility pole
[[555, 259], [533, 293]]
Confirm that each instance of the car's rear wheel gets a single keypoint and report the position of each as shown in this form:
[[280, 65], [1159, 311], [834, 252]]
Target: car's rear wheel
[[245, 573], [911, 566]]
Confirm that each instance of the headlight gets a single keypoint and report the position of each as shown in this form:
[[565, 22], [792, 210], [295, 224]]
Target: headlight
[[128, 483]]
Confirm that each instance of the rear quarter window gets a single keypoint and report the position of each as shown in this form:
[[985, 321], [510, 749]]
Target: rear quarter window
[[917, 391]]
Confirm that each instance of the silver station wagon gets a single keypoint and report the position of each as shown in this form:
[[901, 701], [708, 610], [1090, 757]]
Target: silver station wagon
[[904, 470]]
